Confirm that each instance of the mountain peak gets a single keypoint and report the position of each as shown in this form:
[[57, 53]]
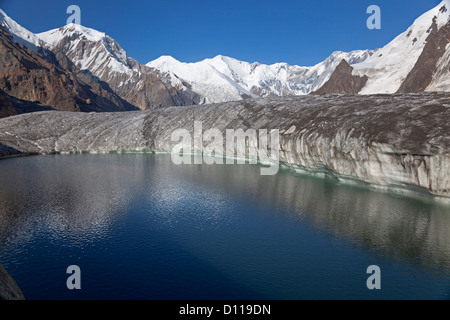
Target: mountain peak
[[220, 57], [88, 32], [163, 60], [98, 54], [52, 37]]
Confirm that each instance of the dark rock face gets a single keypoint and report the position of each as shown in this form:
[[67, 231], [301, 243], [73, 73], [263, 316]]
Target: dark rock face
[[10, 106], [6, 151], [393, 141], [9, 290], [421, 75], [147, 91], [342, 81], [26, 75]]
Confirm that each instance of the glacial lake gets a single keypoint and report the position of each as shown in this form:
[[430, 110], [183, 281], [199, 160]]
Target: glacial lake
[[140, 227]]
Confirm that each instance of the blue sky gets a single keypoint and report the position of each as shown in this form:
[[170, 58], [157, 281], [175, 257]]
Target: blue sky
[[301, 32]]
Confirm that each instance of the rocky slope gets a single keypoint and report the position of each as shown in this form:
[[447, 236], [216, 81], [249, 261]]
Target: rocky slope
[[415, 61], [398, 141], [8, 287], [423, 74], [101, 56], [97, 59], [342, 81], [31, 76], [10, 106]]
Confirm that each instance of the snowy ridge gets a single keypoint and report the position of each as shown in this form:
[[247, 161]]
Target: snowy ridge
[[52, 37], [19, 33], [226, 79], [204, 78], [388, 67], [100, 55], [89, 49]]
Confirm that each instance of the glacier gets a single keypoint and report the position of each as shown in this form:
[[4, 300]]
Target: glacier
[[398, 142]]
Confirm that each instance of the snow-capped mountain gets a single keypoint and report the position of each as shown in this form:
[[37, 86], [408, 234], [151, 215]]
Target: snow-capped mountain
[[422, 51], [390, 66], [415, 61], [226, 79], [31, 73], [104, 58], [19, 33], [100, 58]]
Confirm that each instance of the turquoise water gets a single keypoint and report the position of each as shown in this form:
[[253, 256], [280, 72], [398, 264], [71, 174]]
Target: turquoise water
[[140, 227]]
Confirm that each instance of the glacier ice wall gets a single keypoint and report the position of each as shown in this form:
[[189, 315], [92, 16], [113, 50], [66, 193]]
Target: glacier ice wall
[[393, 141]]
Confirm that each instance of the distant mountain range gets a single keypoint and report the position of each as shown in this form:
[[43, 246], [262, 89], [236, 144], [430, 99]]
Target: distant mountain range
[[417, 60], [227, 79], [80, 69]]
